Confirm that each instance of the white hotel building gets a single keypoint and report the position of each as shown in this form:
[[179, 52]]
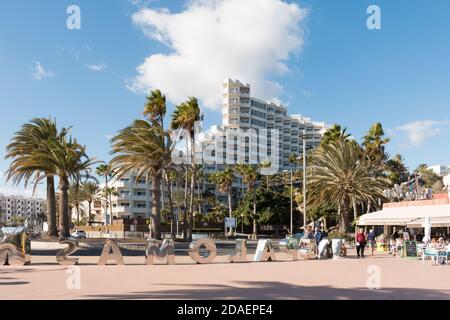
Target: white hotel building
[[240, 111], [440, 170], [18, 206], [244, 112]]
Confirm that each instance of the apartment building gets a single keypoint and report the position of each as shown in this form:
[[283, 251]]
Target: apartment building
[[130, 199], [440, 170], [252, 131], [27, 208], [241, 111]]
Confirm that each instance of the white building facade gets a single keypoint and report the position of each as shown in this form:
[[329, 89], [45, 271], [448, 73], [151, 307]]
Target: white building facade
[[440, 170], [243, 112], [27, 208]]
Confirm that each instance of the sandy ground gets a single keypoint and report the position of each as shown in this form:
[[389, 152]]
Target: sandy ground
[[314, 279]]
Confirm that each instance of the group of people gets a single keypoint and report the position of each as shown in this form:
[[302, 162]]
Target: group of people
[[440, 244], [362, 240], [313, 235]]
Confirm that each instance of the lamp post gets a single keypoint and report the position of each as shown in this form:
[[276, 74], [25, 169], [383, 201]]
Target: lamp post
[[292, 201], [242, 223], [304, 179]]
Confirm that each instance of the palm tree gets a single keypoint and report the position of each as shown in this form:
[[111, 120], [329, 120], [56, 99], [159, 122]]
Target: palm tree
[[104, 170], [184, 118], [397, 169], [76, 198], [335, 133], [250, 177], [374, 144], [107, 194], [91, 191], [266, 165], [224, 182], [145, 148], [155, 107], [70, 162], [341, 175], [33, 138]]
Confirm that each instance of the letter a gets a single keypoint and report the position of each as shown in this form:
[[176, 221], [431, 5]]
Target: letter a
[[374, 20], [74, 20], [116, 255]]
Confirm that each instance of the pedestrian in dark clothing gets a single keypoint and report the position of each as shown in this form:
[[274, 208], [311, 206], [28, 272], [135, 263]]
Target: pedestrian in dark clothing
[[371, 237], [360, 239], [318, 235]]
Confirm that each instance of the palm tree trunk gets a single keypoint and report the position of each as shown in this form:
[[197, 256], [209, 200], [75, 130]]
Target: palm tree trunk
[[156, 206], [191, 206], [64, 218], [77, 207], [355, 209], [51, 207], [106, 198], [185, 215], [255, 231], [90, 215], [172, 212], [230, 208], [344, 215], [191, 203]]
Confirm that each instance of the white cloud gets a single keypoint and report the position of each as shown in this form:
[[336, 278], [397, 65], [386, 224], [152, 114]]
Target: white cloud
[[211, 41], [98, 67], [418, 132], [39, 72]]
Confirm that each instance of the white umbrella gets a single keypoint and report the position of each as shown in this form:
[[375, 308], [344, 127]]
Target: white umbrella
[[427, 234]]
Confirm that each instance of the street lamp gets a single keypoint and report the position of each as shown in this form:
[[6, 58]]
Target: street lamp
[[292, 203], [304, 179], [194, 214], [242, 223]]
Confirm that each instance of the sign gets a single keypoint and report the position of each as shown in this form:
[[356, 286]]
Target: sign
[[410, 249], [230, 222]]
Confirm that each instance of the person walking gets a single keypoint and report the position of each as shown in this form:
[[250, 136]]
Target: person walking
[[309, 234], [317, 235], [371, 237], [360, 239]]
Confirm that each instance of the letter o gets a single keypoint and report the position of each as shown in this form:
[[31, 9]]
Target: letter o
[[194, 251]]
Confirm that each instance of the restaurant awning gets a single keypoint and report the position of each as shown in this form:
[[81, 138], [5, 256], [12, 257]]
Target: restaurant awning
[[412, 216]]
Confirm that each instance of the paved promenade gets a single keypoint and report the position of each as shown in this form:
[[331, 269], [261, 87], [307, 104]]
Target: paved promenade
[[315, 279]]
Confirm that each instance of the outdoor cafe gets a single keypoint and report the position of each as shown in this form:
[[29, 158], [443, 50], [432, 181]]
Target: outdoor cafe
[[424, 229]]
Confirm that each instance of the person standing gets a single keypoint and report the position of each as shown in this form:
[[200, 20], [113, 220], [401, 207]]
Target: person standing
[[317, 235], [309, 234], [371, 237], [360, 239]]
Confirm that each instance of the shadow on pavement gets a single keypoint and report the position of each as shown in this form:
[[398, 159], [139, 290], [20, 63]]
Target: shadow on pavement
[[279, 290]]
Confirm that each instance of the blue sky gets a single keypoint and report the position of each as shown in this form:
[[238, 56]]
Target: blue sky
[[338, 72]]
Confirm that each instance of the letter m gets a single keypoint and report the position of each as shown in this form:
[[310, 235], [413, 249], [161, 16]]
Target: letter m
[[166, 251]]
